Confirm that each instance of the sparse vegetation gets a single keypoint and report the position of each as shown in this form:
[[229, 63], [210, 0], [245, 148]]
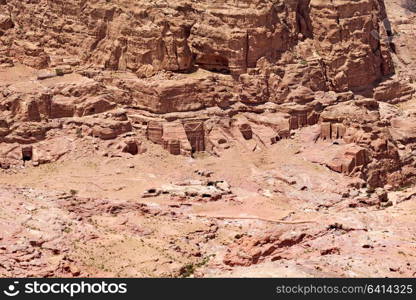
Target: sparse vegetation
[[73, 192], [67, 229], [59, 72], [189, 269], [79, 132]]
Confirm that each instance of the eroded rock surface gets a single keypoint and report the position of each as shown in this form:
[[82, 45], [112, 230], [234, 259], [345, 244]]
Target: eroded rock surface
[[301, 110]]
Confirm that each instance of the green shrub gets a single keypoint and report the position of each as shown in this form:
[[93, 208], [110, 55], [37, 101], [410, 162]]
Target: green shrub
[[59, 72]]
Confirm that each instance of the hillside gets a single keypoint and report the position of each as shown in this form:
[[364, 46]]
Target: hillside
[[207, 138]]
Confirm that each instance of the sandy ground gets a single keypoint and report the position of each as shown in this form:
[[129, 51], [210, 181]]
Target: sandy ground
[[186, 238]]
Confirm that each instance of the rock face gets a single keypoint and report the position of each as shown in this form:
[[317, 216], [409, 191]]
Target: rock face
[[167, 61], [271, 41], [223, 36], [283, 88]]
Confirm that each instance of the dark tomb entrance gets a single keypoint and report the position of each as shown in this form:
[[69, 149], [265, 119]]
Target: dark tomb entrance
[[196, 135], [27, 153]]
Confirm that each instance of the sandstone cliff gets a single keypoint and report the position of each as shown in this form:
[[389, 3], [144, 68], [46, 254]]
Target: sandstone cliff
[[204, 63], [207, 138]]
